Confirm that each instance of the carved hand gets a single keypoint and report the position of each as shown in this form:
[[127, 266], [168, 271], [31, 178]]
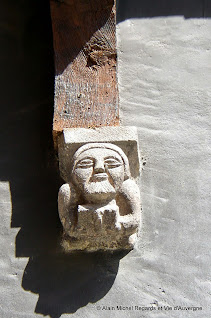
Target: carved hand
[[67, 201]]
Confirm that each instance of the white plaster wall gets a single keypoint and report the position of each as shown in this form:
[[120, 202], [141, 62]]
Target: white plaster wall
[[164, 83], [164, 67]]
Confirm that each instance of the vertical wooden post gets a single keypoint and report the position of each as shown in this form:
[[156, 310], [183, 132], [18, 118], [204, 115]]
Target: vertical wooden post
[[86, 93]]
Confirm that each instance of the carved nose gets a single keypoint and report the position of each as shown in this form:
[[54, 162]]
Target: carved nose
[[99, 166]]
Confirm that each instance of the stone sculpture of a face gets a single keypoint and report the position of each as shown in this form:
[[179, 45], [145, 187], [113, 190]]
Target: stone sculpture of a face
[[98, 171], [99, 207]]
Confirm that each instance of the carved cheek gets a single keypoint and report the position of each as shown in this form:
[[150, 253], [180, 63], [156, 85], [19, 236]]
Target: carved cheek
[[82, 176], [117, 175]]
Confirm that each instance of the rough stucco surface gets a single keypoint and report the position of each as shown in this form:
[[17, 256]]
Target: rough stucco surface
[[164, 83], [168, 98]]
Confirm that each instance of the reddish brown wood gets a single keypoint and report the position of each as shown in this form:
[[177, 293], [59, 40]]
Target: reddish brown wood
[[86, 94]]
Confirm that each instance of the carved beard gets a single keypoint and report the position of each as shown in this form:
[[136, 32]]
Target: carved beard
[[99, 191]]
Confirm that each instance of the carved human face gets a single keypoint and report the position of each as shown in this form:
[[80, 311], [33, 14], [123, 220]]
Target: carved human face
[[98, 173]]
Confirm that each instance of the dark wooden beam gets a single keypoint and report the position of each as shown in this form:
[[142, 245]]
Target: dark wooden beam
[[86, 93]]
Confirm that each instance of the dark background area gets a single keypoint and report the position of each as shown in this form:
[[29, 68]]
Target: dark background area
[[127, 9], [27, 159]]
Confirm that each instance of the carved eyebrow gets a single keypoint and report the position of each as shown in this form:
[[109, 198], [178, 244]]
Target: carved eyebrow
[[113, 158], [86, 158]]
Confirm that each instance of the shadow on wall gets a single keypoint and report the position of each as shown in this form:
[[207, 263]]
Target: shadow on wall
[[128, 9], [27, 160], [66, 283]]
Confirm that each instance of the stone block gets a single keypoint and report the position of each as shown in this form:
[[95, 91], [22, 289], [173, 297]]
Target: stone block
[[124, 137], [99, 205]]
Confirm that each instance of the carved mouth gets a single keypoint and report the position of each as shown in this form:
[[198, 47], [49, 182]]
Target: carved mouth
[[99, 177]]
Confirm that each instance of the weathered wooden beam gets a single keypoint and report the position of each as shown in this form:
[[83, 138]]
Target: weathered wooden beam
[[84, 35]]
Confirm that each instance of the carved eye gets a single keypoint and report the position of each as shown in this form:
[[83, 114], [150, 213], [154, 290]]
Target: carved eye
[[85, 163], [112, 163]]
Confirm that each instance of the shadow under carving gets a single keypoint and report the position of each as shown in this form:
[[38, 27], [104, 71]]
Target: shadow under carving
[[67, 282]]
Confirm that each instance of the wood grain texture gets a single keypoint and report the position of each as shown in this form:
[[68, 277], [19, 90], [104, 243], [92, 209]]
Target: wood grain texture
[[86, 93]]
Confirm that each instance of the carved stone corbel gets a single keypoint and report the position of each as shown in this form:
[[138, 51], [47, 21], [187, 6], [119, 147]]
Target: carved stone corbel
[[99, 203]]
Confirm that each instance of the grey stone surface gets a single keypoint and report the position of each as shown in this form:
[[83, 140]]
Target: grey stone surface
[[164, 83], [99, 206]]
